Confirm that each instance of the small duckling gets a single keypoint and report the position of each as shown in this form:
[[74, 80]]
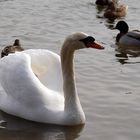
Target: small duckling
[[114, 11], [12, 48]]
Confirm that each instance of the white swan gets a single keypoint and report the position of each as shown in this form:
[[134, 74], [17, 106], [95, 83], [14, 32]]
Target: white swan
[[49, 97]]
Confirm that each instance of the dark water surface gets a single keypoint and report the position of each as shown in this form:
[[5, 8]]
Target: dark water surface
[[107, 81]]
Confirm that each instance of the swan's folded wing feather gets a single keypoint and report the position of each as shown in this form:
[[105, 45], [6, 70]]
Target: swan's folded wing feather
[[19, 81], [17, 78], [47, 66]]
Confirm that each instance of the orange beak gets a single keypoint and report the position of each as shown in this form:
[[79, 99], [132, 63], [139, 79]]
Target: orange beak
[[95, 45]]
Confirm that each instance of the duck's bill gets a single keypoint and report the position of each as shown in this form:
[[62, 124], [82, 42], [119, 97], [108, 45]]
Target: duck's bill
[[95, 45]]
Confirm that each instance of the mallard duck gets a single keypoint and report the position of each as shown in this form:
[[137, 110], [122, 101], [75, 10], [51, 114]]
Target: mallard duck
[[12, 48], [126, 37], [52, 96], [114, 10]]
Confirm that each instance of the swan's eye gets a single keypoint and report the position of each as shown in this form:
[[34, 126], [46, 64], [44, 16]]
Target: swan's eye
[[88, 40], [90, 43]]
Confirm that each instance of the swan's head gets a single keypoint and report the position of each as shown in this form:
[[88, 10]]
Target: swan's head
[[81, 40]]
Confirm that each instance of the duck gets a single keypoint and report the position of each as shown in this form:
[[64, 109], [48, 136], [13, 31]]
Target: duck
[[102, 2], [105, 2], [115, 11], [11, 48], [126, 37], [52, 96]]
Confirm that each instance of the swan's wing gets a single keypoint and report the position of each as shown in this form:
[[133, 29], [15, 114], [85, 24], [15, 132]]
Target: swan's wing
[[18, 79], [25, 95], [47, 66]]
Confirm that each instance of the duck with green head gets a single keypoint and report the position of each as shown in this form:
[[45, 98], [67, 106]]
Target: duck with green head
[[126, 37]]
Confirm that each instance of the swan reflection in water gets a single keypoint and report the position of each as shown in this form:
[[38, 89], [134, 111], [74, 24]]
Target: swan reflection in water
[[17, 128], [124, 53]]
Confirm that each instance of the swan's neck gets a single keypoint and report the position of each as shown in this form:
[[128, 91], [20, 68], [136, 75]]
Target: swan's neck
[[72, 103]]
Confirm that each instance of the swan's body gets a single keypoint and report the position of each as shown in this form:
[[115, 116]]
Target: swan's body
[[126, 37], [50, 97]]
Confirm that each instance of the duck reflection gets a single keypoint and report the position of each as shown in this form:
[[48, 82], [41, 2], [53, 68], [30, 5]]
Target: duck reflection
[[100, 11], [102, 5], [110, 23], [17, 128], [124, 53]]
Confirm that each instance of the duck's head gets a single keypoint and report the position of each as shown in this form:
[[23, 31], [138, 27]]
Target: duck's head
[[111, 6], [17, 43], [122, 26], [12, 48], [7, 50]]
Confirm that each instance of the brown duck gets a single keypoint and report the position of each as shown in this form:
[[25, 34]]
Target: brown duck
[[12, 48]]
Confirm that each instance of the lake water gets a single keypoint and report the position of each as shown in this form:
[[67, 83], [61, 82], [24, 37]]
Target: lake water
[[107, 82]]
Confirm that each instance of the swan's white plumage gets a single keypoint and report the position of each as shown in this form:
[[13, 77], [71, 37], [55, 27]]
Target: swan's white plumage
[[40, 87], [24, 91], [47, 66]]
